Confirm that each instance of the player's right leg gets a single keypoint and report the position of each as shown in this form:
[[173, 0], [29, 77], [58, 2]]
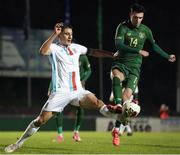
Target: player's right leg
[[89, 100], [30, 130], [117, 78]]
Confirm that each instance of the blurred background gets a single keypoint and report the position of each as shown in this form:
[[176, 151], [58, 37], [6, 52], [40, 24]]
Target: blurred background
[[25, 75]]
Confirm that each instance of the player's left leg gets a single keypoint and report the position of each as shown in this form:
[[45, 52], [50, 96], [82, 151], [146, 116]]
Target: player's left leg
[[55, 103], [130, 87], [121, 129], [31, 129], [127, 94], [77, 125], [129, 130], [136, 96], [59, 125]]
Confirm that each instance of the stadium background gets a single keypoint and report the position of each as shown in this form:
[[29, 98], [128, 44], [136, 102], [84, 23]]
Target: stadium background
[[159, 78]]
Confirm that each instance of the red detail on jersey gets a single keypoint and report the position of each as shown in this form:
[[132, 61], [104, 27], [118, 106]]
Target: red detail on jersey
[[74, 81], [135, 101], [70, 52]]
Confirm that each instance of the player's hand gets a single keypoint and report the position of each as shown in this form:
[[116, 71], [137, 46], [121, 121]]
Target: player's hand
[[116, 55], [144, 53], [58, 28], [172, 58]]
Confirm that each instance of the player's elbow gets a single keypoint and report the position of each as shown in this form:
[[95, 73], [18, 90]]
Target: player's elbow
[[43, 51]]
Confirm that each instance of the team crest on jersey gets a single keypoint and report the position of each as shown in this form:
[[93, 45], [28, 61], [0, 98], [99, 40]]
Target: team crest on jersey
[[119, 37], [141, 35], [129, 34]]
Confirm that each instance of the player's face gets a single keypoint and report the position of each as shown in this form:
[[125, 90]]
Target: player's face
[[136, 18], [66, 36]]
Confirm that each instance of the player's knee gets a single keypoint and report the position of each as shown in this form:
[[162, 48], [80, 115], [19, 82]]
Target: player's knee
[[118, 74], [40, 121], [98, 103], [92, 101], [126, 96]]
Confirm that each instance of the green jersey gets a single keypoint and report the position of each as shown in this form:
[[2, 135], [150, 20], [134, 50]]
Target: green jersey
[[130, 40]]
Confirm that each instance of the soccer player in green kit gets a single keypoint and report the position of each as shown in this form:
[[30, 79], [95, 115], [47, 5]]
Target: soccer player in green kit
[[85, 72], [129, 41]]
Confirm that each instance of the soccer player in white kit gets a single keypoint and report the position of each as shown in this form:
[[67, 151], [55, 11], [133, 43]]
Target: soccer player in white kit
[[66, 84]]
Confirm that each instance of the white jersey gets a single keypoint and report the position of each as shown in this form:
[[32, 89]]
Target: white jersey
[[65, 66]]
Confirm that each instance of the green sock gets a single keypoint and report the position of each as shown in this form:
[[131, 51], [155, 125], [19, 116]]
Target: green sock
[[78, 121], [117, 90], [135, 96], [59, 122], [117, 124]]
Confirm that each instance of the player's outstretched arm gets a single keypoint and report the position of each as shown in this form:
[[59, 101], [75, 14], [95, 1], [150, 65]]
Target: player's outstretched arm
[[100, 53]]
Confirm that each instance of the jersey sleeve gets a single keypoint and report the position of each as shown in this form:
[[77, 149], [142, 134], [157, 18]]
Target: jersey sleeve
[[119, 41], [155, 47], [52, 48], [80, 48]]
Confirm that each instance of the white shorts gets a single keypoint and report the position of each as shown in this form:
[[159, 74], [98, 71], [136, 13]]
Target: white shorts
[[58, 100]]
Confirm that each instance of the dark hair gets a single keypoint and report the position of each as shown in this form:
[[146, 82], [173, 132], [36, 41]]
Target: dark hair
[[66, 26], [137, 8]]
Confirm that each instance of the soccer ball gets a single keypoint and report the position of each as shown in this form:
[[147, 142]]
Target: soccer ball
[[131, 109]]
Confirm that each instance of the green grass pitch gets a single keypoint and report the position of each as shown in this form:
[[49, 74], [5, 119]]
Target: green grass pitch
[[96, 143]]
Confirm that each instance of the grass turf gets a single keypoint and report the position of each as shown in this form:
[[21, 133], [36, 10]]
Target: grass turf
[[95, 143]]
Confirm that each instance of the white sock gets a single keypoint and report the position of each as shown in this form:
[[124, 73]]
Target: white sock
[[122, 128], [116, 128], [30, 130], [128, 128], [104, 111]]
